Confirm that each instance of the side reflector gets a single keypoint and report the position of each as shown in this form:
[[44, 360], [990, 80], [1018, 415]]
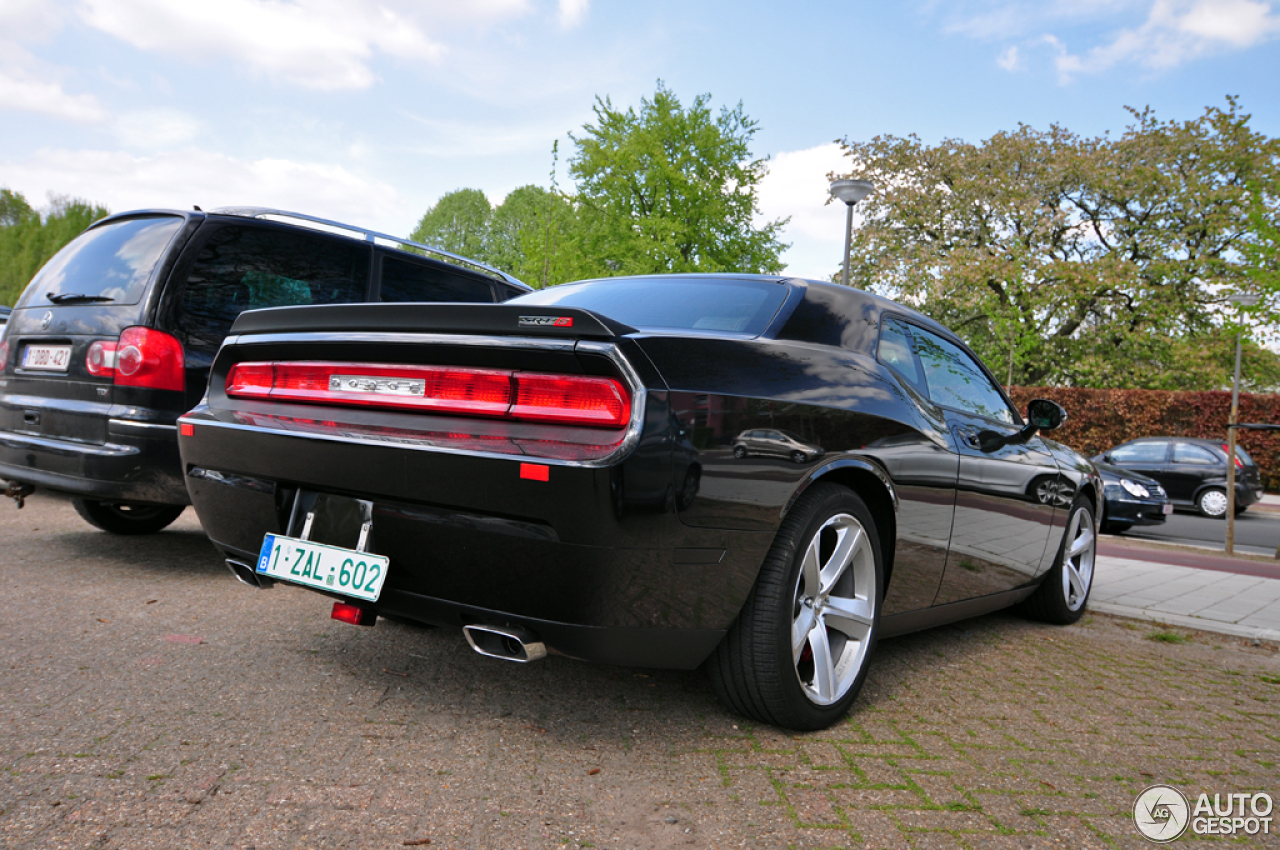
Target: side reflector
[[353, 614], [535, 472], [186, 429]]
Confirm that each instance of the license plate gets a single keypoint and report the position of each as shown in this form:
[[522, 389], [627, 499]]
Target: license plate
[[46, 358], [323, 567], [1168, 508]]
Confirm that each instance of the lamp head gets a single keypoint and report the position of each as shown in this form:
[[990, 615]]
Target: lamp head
[[851, 191]]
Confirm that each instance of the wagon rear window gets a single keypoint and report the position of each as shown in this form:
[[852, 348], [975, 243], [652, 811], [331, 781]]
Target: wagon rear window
[[113, 262], [737, 307]]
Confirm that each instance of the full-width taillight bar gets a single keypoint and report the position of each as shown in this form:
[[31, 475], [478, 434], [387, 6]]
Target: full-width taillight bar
[[532, 396]]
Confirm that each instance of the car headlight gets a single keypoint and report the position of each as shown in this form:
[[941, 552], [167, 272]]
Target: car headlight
[[1133, 488]]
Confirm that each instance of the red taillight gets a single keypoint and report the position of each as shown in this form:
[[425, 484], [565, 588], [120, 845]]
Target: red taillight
[[353, 614], [142, 358], [4, 354], [564, 399], [1227, 450], [101, 359]]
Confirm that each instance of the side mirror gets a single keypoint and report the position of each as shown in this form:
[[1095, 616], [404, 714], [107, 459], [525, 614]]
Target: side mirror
[[1045, 415]]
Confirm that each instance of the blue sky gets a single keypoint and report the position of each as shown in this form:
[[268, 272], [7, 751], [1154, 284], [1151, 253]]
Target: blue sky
[[368, 111]]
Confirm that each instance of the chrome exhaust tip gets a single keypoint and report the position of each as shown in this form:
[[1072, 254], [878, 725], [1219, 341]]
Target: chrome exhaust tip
[[245, 574], [509, 643]]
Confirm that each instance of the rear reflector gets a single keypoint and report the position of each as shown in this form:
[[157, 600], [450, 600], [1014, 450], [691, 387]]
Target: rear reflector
[[530, 396], [353, 614], [535, 472], [186, 429]]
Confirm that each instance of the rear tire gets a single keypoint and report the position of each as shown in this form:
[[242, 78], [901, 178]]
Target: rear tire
[[1064, 593], [739, 452], [800, 649], [127, 517], [1212, 503]]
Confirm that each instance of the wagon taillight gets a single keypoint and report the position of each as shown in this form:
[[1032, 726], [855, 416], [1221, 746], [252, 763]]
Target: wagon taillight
[[528, 396], [142, 357]]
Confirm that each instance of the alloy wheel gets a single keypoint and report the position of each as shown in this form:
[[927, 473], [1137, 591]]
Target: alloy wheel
[[1077, 560]]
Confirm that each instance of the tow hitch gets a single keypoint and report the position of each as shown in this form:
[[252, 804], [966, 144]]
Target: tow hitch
[[18, 492]]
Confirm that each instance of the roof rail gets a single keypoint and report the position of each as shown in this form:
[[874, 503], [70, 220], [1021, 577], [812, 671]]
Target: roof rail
[[367, 235]]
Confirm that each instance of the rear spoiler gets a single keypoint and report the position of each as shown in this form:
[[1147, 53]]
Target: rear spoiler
[[505, 319]]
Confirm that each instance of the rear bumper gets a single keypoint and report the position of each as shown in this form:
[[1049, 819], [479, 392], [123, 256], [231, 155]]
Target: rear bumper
[[472, 541], [139, 463]]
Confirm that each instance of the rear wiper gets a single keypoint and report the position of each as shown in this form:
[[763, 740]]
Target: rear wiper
[[65, 297]]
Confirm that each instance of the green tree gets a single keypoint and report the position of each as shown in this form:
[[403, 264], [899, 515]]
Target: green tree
[[535, 235], [459, 223], [1101, 262], [27, 241], [671, 189]]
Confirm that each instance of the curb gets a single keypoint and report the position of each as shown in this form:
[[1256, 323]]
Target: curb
[[1198, 623]]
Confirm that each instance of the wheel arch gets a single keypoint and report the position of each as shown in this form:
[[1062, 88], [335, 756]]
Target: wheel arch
[[874, 486]]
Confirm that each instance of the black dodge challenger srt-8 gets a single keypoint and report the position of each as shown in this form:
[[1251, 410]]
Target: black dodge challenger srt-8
[[558, 473]]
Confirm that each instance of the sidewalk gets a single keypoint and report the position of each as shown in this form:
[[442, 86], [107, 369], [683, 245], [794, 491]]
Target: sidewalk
[[1206, 598]]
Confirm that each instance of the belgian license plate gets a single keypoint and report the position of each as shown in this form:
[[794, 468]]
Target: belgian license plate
[[323, 567], [46, 358], [1167, 508]]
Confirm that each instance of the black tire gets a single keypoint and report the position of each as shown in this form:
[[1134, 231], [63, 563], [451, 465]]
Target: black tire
[[739, 452], [1064, 593], [1212, 503], [799, 457], [127, 517], [757, 670]]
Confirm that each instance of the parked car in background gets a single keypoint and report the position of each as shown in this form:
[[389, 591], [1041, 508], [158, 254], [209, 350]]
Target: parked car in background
[[1130, 499], [113, 338], [501, 468], [771, 441], [1192, 471]]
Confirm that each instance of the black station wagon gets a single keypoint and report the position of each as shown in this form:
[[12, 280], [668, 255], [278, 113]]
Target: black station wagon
[[113, 338], [564, 473]]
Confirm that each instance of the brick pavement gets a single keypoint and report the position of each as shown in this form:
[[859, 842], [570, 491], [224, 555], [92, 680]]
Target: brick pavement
[[147, 700]]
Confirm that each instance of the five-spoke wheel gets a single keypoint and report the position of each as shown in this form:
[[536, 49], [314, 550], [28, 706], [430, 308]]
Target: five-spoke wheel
[[1064, 592]]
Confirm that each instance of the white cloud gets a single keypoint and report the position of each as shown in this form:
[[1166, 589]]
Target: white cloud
[[28, 20], [1178, 31], [321, 44], [179, 180], [1010, 60], [25, 92], [156, 129], [572, 12], [797, 185]]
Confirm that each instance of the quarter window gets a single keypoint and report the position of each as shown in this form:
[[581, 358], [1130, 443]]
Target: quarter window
[[955, 379], [895, 351], [404, 280]]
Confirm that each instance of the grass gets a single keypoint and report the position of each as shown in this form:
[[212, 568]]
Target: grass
[[1168, 637]]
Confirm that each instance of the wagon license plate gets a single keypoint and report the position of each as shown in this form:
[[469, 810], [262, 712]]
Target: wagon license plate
[[1167, 508], [46, 358], [323, 567]]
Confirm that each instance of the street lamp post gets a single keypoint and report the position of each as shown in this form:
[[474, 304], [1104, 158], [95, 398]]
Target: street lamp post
[[1243, 300], [850, 192]]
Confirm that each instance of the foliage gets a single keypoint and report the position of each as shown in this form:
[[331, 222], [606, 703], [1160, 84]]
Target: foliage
[[535, 235], [1084, 261], [459, 223], [671, 189], [1099, 419], [27, 240]]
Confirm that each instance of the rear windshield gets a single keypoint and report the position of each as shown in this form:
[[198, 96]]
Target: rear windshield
[[113, 261], [673, 304]]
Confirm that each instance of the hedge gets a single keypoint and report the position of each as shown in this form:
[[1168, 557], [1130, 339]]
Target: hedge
[[1100, 419]]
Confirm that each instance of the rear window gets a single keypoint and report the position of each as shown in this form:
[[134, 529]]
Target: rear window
[[247, 268], [737, 307], [112, 261]]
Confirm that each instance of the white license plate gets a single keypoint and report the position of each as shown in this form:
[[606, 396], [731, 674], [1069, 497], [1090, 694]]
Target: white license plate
[[1168, 508], [46, 358], [329, 568]]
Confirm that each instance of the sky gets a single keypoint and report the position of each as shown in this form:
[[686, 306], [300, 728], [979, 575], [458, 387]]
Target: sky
[[367, 111]]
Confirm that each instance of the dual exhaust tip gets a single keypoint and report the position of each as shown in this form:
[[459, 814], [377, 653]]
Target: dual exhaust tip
[[510, 643]]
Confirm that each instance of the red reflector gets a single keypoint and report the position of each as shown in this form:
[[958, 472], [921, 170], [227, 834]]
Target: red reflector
[[572, 399], [186, 429], [562, 399], [535, 472], [353, 614], [145, 358]]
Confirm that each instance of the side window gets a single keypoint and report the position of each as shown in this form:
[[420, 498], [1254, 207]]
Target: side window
[[956, 380], [245, 268], [1187, 453], [1139, 453], [894, 351], [405, 280]]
